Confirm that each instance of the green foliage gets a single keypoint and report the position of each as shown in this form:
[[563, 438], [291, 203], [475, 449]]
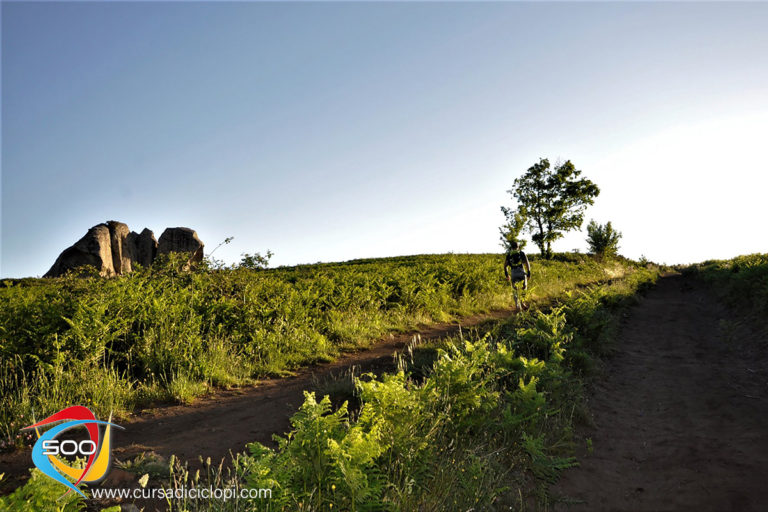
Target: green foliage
[[164, 334], [546, 338], [741, 281], [603, 240], [41, 494], [544, 465], [217, 476], [324, 461], [484, 423], [550, 202], [512, 230], [255, 261]]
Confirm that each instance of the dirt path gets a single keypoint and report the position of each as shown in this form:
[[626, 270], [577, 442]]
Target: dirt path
[[227, 420], [681, 419]]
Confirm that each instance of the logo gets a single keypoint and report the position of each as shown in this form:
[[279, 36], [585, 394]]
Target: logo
[[95, 450]]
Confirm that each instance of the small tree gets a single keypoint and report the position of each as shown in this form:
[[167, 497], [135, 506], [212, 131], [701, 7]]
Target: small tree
[[255, 261], [512, 229], [603, 240], [550, 202]]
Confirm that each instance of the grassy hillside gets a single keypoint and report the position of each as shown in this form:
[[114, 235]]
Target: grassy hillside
[[480, 421], [162, 334], [484, 423], [741, 281]]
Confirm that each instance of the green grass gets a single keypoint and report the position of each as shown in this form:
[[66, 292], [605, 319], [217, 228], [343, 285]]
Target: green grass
[[39, 494], [742, 282], [488, 425], [163, 335]]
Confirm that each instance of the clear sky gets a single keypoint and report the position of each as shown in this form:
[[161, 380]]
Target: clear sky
[[332, 131]]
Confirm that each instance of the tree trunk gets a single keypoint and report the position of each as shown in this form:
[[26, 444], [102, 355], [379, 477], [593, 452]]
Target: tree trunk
[[542, 244]]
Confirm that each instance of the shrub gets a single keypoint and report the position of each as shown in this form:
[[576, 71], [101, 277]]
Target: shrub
[[603, 240], [255, 261], [41, 494]]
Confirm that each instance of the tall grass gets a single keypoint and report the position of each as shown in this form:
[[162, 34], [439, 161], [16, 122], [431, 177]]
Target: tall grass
[[741, 281], [162, 334], [488, 426]]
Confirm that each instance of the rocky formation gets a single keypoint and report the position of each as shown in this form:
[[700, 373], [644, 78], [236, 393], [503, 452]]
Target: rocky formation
[[94, 249], [181, 240], [143, 247], [121, 253], [115, 250]]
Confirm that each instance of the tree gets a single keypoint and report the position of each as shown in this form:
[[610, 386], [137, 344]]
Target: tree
[[255, 261], [512, 229], [550, 202], [603, 240]]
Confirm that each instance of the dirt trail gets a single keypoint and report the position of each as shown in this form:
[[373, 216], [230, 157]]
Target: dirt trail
[[681, 419], [227, 420]]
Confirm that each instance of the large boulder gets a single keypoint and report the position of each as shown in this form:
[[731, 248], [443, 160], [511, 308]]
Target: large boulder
[[121, 253], [94, 249], [142, 247], [113, 249], [181, 240]]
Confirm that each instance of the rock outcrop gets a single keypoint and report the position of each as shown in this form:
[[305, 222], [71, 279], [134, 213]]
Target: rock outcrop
[[181, 240], [113, 249], [94, 249], [143, 247], [121, 253]]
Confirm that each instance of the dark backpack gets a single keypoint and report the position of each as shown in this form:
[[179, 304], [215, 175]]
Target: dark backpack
[[515, 258]]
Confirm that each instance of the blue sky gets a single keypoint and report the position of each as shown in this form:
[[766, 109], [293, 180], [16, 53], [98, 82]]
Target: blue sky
[[331, 131]]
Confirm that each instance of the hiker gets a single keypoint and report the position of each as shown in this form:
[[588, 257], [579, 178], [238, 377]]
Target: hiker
[[516, 260]]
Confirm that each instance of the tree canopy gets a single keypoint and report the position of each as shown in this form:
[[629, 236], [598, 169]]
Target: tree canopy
[[550, 202]]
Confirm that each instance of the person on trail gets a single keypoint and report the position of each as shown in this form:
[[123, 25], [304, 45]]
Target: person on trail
[[516, 260]]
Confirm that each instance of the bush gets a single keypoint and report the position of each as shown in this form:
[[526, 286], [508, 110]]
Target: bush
[[603, 240], [41, 494], [255, 261]]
